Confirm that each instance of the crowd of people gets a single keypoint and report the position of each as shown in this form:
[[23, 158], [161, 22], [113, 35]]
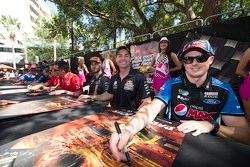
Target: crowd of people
[[200, 102]]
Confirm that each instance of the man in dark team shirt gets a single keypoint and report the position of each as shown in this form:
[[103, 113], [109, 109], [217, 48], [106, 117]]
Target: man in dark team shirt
[[98, 83], [128, 89], [196, 99]]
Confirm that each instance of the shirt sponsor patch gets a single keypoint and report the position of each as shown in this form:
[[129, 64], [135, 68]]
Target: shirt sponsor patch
[[182, 98], [129, 85], [211, 95], [180, 109], [183, 92], [211, 101], [115, 85], [200, 115]]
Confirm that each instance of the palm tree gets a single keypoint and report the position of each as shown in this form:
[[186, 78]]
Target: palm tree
[[25, 40], [12, 26]]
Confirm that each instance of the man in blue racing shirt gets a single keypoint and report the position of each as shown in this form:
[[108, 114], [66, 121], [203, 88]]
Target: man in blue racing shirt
[[200, 102]]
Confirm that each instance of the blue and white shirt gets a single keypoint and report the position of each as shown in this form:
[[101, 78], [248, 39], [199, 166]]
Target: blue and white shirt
[[208, 102]]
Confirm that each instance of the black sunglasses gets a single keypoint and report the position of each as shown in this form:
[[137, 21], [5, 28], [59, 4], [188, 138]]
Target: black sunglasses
[[200, 59]]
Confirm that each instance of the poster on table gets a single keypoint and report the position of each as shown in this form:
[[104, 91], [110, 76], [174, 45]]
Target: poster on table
[[85, 142], [38, 106]]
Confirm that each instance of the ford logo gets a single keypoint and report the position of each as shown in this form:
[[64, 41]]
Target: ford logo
[[211, 101]]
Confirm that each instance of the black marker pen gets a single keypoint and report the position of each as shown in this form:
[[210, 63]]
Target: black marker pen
[[118, 130]]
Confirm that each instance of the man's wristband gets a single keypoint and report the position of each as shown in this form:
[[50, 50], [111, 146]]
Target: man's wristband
[[215, 129]]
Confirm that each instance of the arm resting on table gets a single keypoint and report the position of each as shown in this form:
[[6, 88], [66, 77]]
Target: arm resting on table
[[236, 128], [144, 116], [103, 97]]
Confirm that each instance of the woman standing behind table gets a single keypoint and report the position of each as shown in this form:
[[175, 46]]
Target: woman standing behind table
[[82, 69], [243, 69], [163, 64], [108, 65]]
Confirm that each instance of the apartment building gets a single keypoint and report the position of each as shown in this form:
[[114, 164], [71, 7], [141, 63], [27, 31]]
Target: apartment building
[[27, 12]]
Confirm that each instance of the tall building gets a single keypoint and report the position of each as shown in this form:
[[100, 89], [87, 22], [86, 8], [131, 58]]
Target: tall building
[[26, 12]]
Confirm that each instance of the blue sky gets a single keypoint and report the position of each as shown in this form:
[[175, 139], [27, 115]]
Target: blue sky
[[52, 6]]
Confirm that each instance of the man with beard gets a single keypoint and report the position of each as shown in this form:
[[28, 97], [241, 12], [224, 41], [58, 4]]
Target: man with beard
[[98, 83]]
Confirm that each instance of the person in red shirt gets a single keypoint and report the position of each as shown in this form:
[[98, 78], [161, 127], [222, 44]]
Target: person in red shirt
[[69, 83], [50, 85], [53, 81]]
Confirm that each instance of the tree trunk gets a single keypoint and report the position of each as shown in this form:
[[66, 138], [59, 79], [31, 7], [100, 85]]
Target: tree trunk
[[26, 57], [189, 10], [72, 36], [114, 38], [145, 21], [14, 55], [54, 49], [114, 15], [211, 7]]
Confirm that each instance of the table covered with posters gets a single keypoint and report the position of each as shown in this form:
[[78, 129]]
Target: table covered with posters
[[78, 135]]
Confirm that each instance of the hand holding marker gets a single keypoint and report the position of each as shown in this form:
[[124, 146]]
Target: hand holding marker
[[118, 130]]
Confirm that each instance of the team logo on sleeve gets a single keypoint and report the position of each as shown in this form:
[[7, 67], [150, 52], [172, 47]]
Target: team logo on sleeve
[[162, 88], [146, 86], [180, 109]]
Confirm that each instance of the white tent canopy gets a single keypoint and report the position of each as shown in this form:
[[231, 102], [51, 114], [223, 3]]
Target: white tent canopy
[[7, 57]]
